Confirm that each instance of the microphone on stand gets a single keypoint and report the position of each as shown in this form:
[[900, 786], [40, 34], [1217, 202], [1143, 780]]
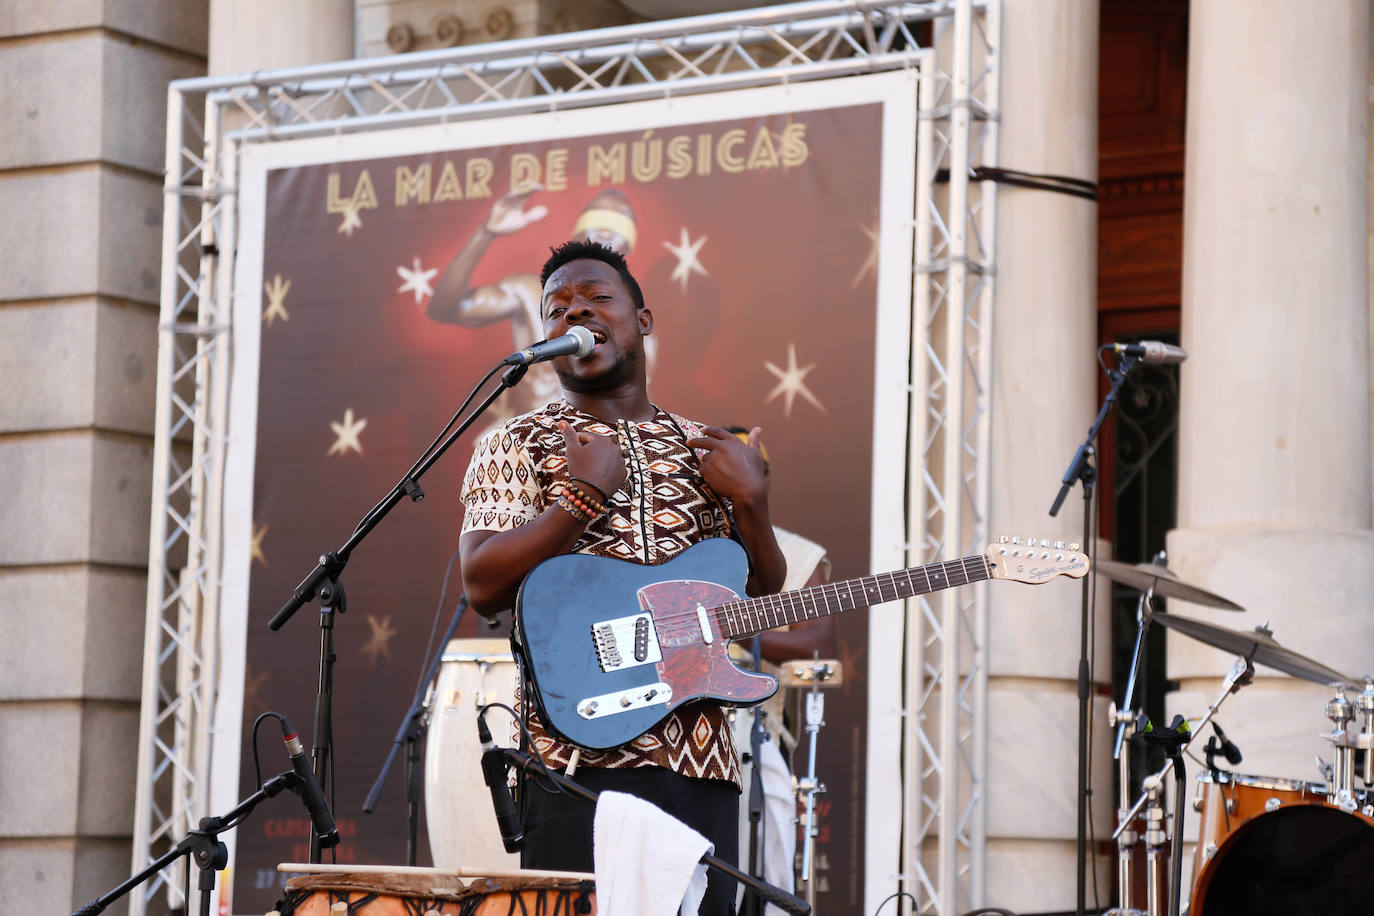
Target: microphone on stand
[[494, 773], [1153, 352], [578, 341], [1227, 748], [308, 787]]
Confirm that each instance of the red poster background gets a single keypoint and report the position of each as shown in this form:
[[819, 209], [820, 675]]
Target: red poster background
[[789, 254]]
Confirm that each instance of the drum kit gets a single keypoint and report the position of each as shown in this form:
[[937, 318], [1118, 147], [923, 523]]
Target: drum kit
[[1265, 844]]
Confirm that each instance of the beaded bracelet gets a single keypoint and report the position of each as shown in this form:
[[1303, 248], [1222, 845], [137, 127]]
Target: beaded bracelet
[[599, 492], [568, 506], [584, 499]]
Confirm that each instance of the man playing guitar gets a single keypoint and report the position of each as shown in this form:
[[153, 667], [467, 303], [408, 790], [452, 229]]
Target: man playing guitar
[[605, 472]]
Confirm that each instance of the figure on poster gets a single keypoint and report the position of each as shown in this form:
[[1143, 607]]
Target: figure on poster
[[608, 219], [605, 471]]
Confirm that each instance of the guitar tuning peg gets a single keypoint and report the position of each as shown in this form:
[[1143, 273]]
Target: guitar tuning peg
[[1002, 539], [1074, 547], [1016, 541], [1058, 545]]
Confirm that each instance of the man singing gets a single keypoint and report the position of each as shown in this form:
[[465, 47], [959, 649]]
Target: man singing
[[603, 471]]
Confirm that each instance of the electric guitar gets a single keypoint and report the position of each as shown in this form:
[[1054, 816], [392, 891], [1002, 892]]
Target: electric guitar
[[613, 647]]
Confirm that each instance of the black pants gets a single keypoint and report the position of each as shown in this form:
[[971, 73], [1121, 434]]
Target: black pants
[[558, 828]]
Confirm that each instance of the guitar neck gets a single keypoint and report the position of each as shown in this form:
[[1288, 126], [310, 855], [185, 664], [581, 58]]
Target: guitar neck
[[754, 615]]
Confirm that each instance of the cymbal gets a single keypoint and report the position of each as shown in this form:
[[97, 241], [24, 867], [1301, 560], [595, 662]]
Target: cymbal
[[1258, 643], [1145, 575]]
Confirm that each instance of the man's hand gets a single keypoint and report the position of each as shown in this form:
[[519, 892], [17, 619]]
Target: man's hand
[[509, 215], [732, 468], [596, 459]]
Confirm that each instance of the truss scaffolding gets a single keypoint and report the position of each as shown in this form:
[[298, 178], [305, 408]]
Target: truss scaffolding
[[953, 44]]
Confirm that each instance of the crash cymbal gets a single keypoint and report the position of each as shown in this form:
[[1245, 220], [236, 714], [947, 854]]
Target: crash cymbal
[[1145, 575], [1258, 643]]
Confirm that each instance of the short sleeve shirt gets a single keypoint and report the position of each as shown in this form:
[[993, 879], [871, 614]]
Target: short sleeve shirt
[[517, 471]]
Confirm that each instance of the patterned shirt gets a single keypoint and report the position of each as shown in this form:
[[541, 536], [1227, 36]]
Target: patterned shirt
[[663, 507]]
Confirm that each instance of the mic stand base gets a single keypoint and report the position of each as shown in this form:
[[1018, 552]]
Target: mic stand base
[[529, 766]]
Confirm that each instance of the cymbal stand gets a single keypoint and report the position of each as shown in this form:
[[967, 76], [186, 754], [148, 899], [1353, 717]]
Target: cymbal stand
[[1366, 739], [1124, 719], [809, 787], [1156, 834], [1241, 673]]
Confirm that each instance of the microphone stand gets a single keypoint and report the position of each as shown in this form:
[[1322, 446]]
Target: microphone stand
[[410, 733], [1081, 469], [202, 845], [529, 766], [753, 904], [323, 581]]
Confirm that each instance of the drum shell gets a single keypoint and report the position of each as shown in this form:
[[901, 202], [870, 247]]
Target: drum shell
[[458, 810], [1269, 822], [377, 894]]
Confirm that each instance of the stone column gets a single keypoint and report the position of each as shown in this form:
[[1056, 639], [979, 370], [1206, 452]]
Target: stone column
[[81, 160], [1044, 400], [248, 35], [1274, 453]]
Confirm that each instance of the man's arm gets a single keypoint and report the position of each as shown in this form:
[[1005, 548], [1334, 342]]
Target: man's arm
[[738, 472], [455, 301], [496, 562]]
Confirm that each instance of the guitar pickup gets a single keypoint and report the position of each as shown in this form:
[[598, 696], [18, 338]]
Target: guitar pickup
[[626, 642], [610, 704]]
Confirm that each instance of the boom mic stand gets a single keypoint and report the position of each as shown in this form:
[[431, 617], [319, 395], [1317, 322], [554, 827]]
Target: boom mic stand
[[529, 766], [202, 845], [1081, 469], [323, 581], [410, 733]]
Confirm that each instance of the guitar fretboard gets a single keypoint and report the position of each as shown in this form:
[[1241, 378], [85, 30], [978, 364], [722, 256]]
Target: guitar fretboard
[[754, 615]]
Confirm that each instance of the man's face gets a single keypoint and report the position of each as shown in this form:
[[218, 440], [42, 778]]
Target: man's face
[[590, 293]]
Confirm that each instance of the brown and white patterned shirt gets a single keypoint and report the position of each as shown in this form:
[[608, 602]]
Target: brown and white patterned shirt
[[518, 469]]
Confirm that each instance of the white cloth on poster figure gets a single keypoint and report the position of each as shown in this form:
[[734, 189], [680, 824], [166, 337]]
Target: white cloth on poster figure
[[648, 863], [779, 822]]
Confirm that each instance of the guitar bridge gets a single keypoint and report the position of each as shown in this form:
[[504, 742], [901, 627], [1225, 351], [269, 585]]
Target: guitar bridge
[[626, 642]]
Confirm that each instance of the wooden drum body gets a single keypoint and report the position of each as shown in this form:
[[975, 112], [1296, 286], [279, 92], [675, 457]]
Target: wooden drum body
[[376, 891]]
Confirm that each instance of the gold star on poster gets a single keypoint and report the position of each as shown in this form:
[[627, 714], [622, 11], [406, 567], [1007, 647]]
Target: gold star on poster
[[417, 280], [276, 300], [352, 220], [346, 433], [259, 532], [870, 264], [688, 262], [792, 382], [380, 643]]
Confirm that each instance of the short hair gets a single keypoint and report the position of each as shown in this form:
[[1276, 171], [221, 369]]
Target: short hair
[[584, 250]]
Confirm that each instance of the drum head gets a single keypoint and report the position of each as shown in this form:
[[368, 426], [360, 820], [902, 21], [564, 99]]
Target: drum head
[[1302, 860]]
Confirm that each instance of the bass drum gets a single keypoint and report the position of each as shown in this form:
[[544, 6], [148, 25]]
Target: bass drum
[[1281, 848], [462, 825]]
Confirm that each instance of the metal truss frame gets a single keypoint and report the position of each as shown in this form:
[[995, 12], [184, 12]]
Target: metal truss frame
[[208, 120], [948, 472]]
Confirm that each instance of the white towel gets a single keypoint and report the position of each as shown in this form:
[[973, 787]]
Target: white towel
[[647, 861]]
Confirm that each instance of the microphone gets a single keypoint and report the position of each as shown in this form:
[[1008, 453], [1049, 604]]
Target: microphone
[[1153, 352], [1228, 748], [578, 341], [494, 772], [308, 787]]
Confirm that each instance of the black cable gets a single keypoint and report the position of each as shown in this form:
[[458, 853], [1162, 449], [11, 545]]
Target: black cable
[[916, 904], [257, 760], [434, 627], [1060, 184], [552, 788], [990, 909]]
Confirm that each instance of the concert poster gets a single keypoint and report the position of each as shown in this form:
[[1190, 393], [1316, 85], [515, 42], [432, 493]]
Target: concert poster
[[777, 267]]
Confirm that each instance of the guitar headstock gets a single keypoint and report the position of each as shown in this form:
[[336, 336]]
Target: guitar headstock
[[1033, 560]]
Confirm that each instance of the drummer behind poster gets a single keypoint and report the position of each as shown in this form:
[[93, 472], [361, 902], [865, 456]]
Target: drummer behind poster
[[604, 471]]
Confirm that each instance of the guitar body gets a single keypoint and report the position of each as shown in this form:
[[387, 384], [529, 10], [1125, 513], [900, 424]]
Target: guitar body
[[613, 647]]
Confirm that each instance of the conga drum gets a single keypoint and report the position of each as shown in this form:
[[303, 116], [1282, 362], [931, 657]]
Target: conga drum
[[342, 890], [462, 825]]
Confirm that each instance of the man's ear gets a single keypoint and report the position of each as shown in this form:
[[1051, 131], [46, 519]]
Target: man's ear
[[646, 322]]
